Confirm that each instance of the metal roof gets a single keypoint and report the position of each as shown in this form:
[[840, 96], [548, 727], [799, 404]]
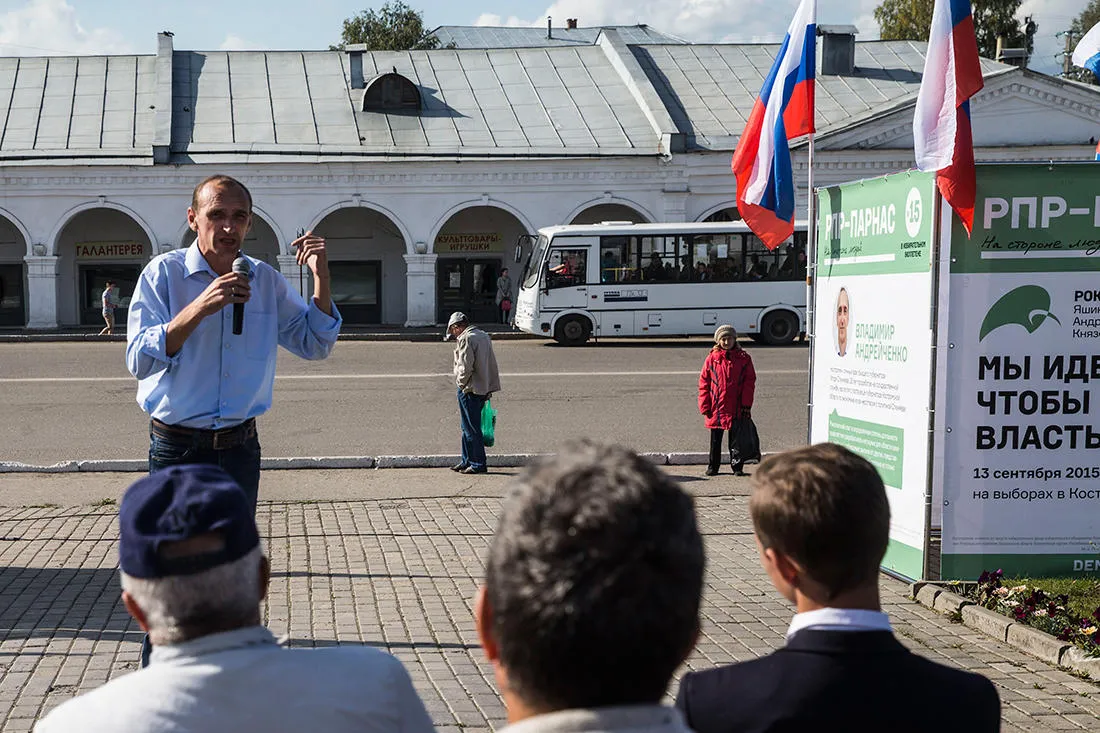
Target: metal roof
[[77, 106], [611, 99], [535, 37], [710, 89], [543, 102]]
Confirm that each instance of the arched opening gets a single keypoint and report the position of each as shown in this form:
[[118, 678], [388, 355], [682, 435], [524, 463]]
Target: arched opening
[[13, 277], [95, 246], [365, 254], [609, 212], [474, 247], [391, 93], [729, 213], [260, 242]]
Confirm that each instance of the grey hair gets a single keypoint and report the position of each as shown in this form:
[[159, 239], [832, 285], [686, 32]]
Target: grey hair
[[183, 607]]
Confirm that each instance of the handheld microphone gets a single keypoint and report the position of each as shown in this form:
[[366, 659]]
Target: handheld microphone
[[241, 266]]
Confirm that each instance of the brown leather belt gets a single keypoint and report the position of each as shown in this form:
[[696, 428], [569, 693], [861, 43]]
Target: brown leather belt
[[209, 439]]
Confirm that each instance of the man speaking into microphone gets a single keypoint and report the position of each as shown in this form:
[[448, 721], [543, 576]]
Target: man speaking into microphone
[[205, 371]]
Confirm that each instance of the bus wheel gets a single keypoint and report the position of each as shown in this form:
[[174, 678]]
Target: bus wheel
[[779, 328], [572, 331]]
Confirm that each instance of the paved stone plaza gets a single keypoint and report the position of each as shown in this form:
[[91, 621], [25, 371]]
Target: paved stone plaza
[[400, 574]]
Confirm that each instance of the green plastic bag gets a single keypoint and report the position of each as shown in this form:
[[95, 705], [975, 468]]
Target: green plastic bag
[[488, 424]]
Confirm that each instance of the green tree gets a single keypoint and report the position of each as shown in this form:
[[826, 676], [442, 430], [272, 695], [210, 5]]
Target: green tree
[[395, 27], [910, 20], [1084, 22]]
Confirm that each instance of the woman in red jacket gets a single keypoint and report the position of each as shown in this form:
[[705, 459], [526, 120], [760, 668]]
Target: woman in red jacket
[[727, 385]]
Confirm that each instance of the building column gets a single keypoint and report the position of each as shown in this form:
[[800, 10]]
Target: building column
[[420, 287], [300, 279], [42, 290], [674, 200]]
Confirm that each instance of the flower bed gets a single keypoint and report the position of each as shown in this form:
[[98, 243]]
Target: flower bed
[[1039, 609]]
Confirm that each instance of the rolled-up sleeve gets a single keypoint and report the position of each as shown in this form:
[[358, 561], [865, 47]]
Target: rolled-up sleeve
[[147, 326], [304, 330]]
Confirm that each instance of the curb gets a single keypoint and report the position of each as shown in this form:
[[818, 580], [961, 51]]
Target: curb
[[502, 460], [1018, 636]]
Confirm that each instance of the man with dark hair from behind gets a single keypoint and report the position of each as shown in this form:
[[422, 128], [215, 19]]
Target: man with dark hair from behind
[[591, 593], [822, 523], [193, 576]]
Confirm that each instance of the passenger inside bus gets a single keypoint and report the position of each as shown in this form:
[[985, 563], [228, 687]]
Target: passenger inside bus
[[570, 271], [609, 266], [685, 268], [656, 269]]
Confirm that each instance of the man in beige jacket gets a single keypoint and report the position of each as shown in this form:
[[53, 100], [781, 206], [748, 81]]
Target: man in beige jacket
[[477, 377]]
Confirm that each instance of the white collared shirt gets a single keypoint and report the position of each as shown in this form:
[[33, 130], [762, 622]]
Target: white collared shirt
[[839, 619], [242, 681], [615, 719]]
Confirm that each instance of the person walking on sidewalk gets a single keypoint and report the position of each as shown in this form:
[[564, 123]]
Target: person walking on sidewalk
[[477, 378], [202, 381], [110, 302], [727, 386]]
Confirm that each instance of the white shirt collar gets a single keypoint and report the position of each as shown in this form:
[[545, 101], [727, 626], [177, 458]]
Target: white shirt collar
[[839, 619]]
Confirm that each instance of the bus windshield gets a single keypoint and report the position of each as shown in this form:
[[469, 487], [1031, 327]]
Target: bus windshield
[[534, 261]]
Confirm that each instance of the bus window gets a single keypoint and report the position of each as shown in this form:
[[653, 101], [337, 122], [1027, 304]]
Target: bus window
[[613, 259], [718, 257], [566, 267], [531, 269], [763, 263], [793, 263], [660, 258]]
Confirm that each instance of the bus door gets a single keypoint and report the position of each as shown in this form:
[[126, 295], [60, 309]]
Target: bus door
[[565, 279]]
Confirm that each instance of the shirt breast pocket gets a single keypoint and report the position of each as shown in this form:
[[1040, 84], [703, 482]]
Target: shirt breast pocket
[[261, 330]]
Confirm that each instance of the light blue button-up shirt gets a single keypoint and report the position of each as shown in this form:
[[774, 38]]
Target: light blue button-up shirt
[[243, 682], [217, 379]]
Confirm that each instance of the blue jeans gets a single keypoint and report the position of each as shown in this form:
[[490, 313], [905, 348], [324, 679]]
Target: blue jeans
[[242, 462], [473, 444]]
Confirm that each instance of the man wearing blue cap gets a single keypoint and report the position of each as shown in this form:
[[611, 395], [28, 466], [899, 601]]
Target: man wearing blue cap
[[193, 576]]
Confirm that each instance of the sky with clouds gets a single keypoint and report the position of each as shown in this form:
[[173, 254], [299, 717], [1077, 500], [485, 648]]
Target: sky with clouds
[[35, 27]]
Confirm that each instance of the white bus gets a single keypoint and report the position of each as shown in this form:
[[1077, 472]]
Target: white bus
[[623, 279]]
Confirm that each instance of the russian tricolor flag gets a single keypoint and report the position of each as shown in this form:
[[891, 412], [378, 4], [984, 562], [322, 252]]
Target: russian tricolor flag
[[1087, 53], [941, 127], [784, 111]]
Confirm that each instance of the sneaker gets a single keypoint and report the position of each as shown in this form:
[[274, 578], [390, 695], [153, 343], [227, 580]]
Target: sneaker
[[459, 467], [471, 469], [711, 471], [738, 471]]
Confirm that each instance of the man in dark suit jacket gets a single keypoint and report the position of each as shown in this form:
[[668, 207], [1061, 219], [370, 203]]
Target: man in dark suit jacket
[[822, 523]]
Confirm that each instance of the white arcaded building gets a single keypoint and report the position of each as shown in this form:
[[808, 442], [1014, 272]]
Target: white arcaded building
[[423, 168]]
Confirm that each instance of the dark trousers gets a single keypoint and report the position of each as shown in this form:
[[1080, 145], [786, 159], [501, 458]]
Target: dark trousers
[[715, 459], [473, 443], [242, 462]]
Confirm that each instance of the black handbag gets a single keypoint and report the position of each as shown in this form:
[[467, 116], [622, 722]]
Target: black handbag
[[744, 439]]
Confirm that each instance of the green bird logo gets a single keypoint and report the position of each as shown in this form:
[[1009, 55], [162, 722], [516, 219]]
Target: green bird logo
[[1027, 306]]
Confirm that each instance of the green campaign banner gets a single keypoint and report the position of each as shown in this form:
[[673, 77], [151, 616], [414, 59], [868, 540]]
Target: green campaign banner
[[1031, 218], [877, 226], [1021, 473], [872, 341]]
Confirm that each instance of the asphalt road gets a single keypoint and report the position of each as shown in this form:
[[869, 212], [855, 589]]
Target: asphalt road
[[75, 401]]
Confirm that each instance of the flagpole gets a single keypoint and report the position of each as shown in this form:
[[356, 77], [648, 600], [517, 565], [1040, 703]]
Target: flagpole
[[811, 272]]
